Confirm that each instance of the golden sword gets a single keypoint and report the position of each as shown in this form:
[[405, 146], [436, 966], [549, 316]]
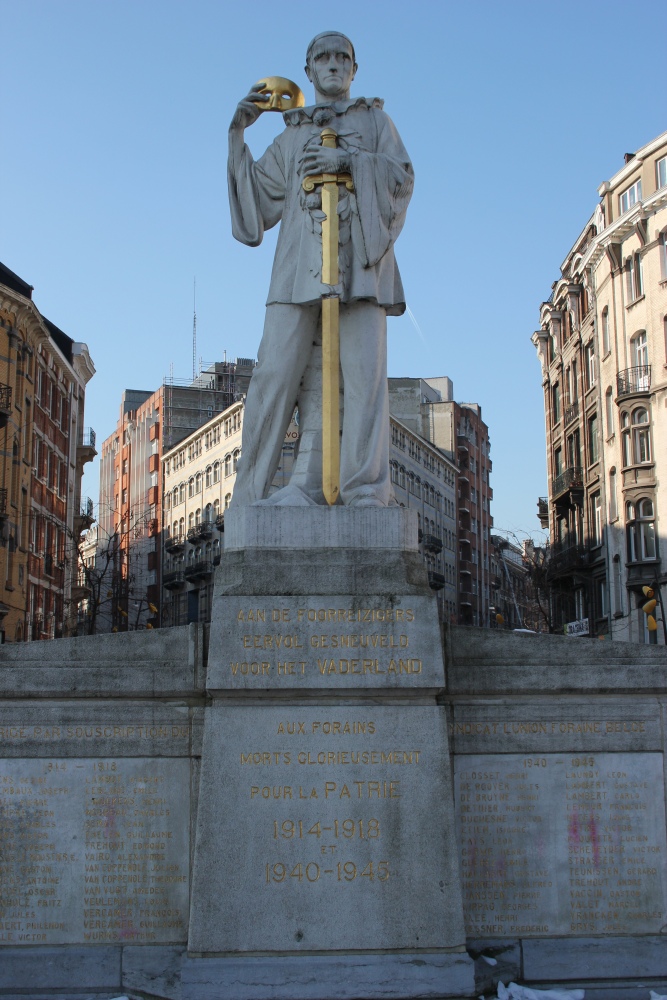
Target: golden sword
[[330, 322]]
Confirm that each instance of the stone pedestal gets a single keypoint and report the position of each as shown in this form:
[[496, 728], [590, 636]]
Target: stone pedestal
[[325, 835]]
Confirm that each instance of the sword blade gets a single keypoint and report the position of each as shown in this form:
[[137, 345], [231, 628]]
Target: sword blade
[[330, 399]]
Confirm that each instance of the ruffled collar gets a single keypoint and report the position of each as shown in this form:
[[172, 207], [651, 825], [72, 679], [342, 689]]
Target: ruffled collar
[[322, 114]]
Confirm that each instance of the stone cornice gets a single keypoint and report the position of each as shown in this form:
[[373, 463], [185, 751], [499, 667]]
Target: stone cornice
[[26, 317]]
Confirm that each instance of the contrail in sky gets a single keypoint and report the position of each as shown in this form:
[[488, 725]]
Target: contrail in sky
[[415, 324]]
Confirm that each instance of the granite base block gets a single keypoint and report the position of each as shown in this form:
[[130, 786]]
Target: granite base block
[[321, 528], [71, 968], [329, 977], [563, 959], [153, 970]]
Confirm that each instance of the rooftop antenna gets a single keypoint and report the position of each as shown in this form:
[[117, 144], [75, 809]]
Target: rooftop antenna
[[194, 329]]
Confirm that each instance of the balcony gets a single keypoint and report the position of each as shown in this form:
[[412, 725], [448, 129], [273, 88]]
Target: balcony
[[465, 567], [174, 543], [571, 413], [152, 527], [543, 511], [571, 479], [462, 443], [153, 463], [633, 381], [85, 516], [436, 581], [465, 598], [5, 403], [465, 535], [432, 542], [220, 522], [200, 532], [173, 580], [85, 446], [199, 570], [566, 558], [3, 501]]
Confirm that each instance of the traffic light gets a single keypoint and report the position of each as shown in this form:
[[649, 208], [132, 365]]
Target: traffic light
[[649, 607]]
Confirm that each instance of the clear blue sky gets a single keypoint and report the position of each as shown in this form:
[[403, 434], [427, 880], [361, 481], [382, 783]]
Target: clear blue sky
[[114, 120]]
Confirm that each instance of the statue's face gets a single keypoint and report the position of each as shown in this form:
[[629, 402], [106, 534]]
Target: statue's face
[[331, 66]]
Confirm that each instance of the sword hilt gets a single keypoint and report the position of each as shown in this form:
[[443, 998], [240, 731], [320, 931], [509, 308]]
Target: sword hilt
[[329, 141]]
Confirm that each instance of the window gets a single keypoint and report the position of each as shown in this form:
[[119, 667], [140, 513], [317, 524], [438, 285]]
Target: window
[[191, 487], [609, 410], [593, 447], [595, 533], [640, 530], [663, 255], [209, 476], [555, 395], [228, 465], [606, 343], [625, 435], [641, 441], [634, 277], [216, 472], [589, 356], [639, 348], [181, 493], [613, 501], [661, 172], [558, 462], [198, 483], [630, 197], [574, 451], [235, 459], [174, 496], [228, 500]]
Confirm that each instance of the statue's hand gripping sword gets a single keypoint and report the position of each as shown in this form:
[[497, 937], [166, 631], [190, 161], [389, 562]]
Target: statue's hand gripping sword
[[330, 322]]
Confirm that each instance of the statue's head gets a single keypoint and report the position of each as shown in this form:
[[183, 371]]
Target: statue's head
[[330, 64]]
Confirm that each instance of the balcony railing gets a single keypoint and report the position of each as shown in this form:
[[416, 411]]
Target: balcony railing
[[174, 543], [633, 380], [220, 522], [5, 399], [174, 579], [571, 479], [87, 438], [86, 509], [436, 581], [567, 558], [199, 570], [432, 542], [571, 412], [200, 531]]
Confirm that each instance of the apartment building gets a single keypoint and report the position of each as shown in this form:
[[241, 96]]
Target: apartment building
[[199, 477], [460, 436], [602, 347], [131, 498], [45, 445]]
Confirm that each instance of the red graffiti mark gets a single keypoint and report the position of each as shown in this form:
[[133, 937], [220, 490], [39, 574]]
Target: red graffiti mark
[[573, 833], [594, 838]]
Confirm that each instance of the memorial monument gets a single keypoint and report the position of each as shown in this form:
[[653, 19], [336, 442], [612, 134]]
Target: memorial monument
[[298, 802], [324, 748]]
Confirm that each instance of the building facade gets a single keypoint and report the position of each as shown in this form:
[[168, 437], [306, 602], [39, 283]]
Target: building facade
[[45, 446], [131, 487], [459, 435], [602, 347]]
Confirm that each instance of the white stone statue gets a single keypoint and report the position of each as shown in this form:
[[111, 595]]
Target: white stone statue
[[265, 192]]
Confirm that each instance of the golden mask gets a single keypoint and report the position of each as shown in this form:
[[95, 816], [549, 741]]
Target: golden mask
[[282, 94]]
